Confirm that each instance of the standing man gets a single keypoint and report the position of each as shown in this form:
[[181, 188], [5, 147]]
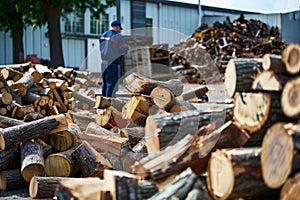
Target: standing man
[[112, 47]]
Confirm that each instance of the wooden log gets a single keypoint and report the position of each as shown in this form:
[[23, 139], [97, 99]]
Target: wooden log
[[236, 173], [136, 83], [290, 98], [134, 135], [45, 187], [167, 129], [16, 97], [148, 189], [11, 180], [47, 73], [182, 187], [193, 93], [63, 140], [11, 74], [37, 76], [239, 74], [91, 162], [30, 97], [110, 117], [81, 118], [269, 81], [84, 188], [32, 160], [61, 164], [61, 104], [136, 110], [23, 84], [121, 185], [35, 129], [273, 62], [291, 58], [103, 102], [20, 67], [280, 153], [290, 189], [8, 122], [10, 158]]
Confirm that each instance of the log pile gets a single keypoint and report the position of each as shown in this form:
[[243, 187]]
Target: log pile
[[241, 38]]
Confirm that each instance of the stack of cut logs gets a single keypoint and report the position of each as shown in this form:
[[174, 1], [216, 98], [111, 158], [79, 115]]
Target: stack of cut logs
[[240, 38]]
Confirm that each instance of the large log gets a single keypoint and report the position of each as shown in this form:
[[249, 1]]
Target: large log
[[31, 130], [91, 162], [280, 153], [185, 185], [6, 122], [167, 129], [10, 158], [290, 98], [239, 74], [236, 173], [32, 160], [291, 58], [12, 179], [136, 83]]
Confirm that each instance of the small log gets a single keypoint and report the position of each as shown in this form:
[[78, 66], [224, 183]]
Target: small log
[[57, 84], [35, 129], [91, 162], [239, 74], [291, 188], [32, 161], [280, 153], [84, 188], [23, 85], [291, 58], [290, 98], [61, 104], [269, 81], [8, 89], [11, 74], [37, 76], [110, 117], [273, 62], [183, 186], [6, 122], [47, 73], [11, 180], [20, 67], [61, 164], [236, 173], [10, 158], [45, 187], [103, 102], [84, 98], [136, 83], [136, 110], [194, 93], [121, 185]]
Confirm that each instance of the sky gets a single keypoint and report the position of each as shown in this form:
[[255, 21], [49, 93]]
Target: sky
[[262, 6]]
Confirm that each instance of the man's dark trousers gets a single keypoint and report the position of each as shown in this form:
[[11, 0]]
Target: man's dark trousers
[[110, 78]]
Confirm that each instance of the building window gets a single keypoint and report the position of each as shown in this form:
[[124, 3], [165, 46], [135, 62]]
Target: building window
[[73, 23], [99, 25], [149, 26]]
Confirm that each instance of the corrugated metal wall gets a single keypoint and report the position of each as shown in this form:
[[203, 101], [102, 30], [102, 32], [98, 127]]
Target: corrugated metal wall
[[6, 52], [291, 27]]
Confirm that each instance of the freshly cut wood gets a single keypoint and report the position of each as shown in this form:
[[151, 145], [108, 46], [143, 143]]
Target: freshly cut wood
[[136, 110], [167, 129], [45, 187], [84, 188], [11, 74], [12, 179], [62, 106], [63, 140], [23, 85], [273, 62], [61, 164], [280, 153], [84, 98], [105, 143], [193, 93], [136, 83], [239, 74], [8, 89], [91, 162], [236, 173], [291, 58], [121, 185], [5, 98], [47, 73], [291, 188], [37, 76], [36, 129], [32, 160], [270, 81], [134, 135], [30, 97], [185, 185], [81, 118], [110, 117], [290, 98], [165, 99], [10, 158], [103, 102]]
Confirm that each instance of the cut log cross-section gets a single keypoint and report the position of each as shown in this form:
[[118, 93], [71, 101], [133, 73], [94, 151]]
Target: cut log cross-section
[[239, 74], [280, 153], [273, 62], [110, 117], [291, 188], [290, 98], [291, 58], [32, 160], [36, 129], [236, 173]]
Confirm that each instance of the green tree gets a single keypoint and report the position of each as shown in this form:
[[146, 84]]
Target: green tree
[[50, 11], [13, 19]]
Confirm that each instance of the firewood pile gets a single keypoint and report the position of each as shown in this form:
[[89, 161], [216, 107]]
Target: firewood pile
[[223, 42]]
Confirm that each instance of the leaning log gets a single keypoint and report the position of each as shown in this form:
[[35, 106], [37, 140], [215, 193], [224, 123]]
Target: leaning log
[[36, 129]]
